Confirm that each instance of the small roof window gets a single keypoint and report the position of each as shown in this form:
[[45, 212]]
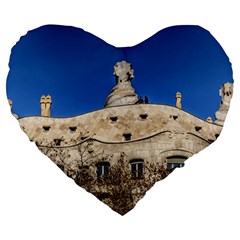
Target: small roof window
[[143, 116], [72, 129], [46, 128], [174, 117], [57, 142], [127, 136], [198, 128], [114, 119]]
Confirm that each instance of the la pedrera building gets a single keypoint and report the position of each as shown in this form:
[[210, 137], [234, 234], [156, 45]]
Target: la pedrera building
[[130, 136]]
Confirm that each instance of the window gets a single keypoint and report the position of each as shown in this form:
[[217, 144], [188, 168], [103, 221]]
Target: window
[[216, 135], [136, 168], [72, 129], [174, 117], [175, 162], [198, 128], [113, 119], [57, 142], [174, 165], [127, 136], [46, 128], [143, 116], [103, 169]]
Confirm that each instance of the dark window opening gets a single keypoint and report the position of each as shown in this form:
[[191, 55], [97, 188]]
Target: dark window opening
[[113, 119], [72, 129], [143, 116], [57, 142], [127, 136], [217, 135], [171, 166], [174, 117], [136, 168], [46, 128], [175, 162], [83, 138], [198, 128], [103, 169]]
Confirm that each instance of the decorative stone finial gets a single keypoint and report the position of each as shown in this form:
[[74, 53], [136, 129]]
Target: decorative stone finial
[[123, 93], [46, 105], [225, 92], [178, 100], [123, 72]]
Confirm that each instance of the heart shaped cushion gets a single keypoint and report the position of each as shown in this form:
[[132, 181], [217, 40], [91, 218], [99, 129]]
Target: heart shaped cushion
[[116, 120]]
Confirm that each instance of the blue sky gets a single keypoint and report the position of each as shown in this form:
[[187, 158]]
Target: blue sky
[[76, 69]]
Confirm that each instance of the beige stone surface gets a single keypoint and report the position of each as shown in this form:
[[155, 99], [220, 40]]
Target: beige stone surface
[[126, 119], [164, 131], [45, 103], [178, 100]]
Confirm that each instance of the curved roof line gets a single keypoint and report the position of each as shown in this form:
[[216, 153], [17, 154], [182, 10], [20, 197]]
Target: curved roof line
[[102, 109]]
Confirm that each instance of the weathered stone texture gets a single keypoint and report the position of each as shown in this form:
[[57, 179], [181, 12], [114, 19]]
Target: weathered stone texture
[[98, 124], [123, 93], [166, 131]]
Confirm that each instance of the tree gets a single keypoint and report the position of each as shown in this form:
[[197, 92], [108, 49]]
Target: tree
[[120, 187], [120, 190]]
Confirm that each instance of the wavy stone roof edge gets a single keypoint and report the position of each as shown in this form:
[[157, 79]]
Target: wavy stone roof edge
[[120, 106]]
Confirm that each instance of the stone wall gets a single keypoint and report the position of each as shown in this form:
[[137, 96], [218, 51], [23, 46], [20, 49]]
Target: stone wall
[[118, 153], [155, 132], [110, 124]]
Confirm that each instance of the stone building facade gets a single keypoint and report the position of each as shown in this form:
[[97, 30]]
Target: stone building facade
[[146, 133]]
